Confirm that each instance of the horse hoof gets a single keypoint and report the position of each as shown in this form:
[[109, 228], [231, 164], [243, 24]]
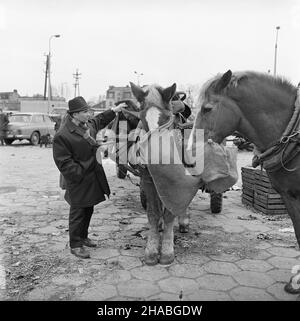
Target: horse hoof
[[292, 288], [166, 259], [151, 259], [183, 228]]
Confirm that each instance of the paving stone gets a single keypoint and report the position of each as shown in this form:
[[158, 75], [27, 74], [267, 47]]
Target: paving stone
[[44, 293], [150, 273], [137, 252], [164, 296], [98, 292], [283, 262], [233, 228], [263, 246], [224, 257], [216, 282], [191, 258], [254, 265], [277, 290], [137, 288], [280, 275], [128, 262], [219, 267], [208, 295], [254, 279], [104, 253], [186, 270], [176, 285], [261, 255], [250, 294], [70, 280], [113, 276], [284, 252]]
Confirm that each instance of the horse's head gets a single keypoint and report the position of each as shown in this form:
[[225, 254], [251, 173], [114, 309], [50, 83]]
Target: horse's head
[[219, 115], [155, 104]]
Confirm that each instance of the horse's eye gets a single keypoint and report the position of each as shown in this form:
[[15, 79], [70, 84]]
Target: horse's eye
[[207, 108]]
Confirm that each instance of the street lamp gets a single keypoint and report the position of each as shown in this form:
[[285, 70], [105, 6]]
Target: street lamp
[[49, 68], [275, 58], [138, 76]]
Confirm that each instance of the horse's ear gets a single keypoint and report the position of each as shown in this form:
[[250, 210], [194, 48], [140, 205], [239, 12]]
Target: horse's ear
[[168, 93], [224, 81], [138, 92]]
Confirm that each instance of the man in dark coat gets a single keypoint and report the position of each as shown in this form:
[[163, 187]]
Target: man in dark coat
[[3, 125], [74, 153]]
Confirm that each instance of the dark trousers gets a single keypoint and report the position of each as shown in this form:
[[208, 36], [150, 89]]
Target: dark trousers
[[79, 221]]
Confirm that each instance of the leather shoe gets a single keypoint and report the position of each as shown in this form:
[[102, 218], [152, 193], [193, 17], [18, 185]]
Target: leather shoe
[[88, 242], [80, 252]]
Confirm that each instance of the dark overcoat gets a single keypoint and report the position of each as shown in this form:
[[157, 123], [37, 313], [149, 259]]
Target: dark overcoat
[[75, 157]]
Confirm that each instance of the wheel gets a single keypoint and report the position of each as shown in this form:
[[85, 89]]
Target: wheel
[[8, 141], [216, 201], [143, 198], [121, 171], [35, 138]]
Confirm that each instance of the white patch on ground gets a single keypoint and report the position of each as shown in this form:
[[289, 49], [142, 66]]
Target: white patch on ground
[[2, 275], [152, 118]]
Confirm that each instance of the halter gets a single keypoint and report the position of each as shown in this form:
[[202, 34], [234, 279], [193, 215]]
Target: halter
[[268, 158]]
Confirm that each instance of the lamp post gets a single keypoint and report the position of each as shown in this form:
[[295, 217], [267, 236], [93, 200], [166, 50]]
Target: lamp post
[[275, 57], [49, 69], [138, 77]]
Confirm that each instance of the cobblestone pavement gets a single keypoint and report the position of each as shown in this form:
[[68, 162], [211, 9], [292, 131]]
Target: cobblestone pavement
[[236, 255]]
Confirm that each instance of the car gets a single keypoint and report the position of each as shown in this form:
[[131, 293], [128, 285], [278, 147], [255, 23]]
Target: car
[[31, 126]]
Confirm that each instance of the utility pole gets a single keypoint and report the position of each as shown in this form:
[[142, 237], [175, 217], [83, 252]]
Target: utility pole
[[76, 85], [46, 77], [275, 57]]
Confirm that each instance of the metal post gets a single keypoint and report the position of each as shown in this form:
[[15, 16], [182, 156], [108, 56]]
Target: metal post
[[138, 77], [49, 71], [275, 58]]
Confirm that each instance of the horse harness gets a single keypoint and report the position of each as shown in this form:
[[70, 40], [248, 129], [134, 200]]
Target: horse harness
[[287, 147]]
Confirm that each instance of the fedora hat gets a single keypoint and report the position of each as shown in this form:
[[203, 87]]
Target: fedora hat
[[77, 104]]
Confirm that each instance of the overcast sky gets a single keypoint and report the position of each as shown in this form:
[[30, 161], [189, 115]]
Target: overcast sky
[[182, 41]]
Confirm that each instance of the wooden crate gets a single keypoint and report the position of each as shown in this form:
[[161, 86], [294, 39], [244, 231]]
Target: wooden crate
[[248, 180], [258, 192]]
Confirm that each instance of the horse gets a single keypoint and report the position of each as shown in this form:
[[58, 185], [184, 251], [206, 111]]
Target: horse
[[167, 187], [265, 110]]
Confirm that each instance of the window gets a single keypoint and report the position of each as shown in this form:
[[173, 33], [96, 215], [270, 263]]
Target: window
[[37, 119], [111, 95], [126, 95], [20, 118]]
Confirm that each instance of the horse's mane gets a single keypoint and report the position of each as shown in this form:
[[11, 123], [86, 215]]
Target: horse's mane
[[238, 77]]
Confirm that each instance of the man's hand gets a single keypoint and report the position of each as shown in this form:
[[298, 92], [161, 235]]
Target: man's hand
[[119, 107]]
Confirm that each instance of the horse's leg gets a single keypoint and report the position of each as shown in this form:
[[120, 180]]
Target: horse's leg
[[154, 212], [292, 204], [167, 246], [184, 222]]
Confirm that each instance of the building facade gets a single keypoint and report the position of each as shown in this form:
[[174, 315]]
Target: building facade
[[115, 94], [15, 102]]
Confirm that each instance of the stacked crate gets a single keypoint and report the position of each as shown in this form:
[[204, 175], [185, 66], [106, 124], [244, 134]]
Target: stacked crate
[[265, 199], [248, 179]]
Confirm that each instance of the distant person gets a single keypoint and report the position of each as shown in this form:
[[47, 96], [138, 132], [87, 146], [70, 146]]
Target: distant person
[[3, 125], [74, 153]]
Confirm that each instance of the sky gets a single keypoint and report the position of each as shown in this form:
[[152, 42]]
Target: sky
[[181, 41]]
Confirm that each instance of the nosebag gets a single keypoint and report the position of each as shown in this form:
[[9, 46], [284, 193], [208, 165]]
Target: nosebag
[[220, 168]]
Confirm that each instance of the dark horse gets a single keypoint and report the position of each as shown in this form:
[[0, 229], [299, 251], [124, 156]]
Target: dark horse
[[261, 108]]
